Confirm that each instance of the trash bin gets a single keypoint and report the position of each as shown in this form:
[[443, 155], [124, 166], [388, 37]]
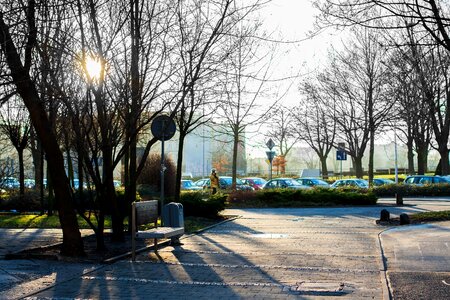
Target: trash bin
[[172, 215]]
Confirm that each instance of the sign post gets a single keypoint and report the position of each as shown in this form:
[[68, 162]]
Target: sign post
[[341, 154], [163, 128], [270, 155]]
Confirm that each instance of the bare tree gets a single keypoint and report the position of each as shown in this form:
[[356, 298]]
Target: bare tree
[[357, 84], [245, 83], [282, 131], [19, 74], [16, 125], [426, 23], [313, 124], [200, 53], [430, 17]]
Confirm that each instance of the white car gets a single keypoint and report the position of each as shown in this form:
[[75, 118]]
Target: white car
[[187, 184], [284, 183], [360, 183]]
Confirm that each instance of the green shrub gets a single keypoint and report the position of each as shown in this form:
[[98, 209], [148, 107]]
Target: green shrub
[[29, 202], [200, 204], [243, 199], [300, 198], [412, 190]]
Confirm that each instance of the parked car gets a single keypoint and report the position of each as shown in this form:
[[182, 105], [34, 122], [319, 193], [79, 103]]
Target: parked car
[[284, 183], [117, 183], [76, 184], [255, 182], [202, 183], [29, 183], [425, 179], [382, 181], [225, 183], [309, 181], [187, 184], [9, 183], [360, 183]]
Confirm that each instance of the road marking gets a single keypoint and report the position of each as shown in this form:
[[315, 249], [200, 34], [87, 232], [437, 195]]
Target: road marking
[[262, 267], [172, 282], [313, 288]]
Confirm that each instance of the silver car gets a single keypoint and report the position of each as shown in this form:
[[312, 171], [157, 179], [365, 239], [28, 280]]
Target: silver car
[[284, 183], [425, 179], [356, 182]]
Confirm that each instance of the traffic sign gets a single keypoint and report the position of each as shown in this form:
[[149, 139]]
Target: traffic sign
[[270, 144], [270, 155], [163, 127], [341, 155]]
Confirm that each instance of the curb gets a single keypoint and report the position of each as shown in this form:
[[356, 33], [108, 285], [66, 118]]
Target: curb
[[386, 287]]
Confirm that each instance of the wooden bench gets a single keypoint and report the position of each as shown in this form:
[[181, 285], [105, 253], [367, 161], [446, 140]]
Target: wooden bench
[[145, 212]]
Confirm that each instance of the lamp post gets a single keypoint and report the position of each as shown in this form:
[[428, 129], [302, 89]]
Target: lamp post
[[395, 155]]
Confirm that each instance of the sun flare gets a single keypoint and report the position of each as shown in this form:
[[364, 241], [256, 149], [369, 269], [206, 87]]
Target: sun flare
[[93, 67]]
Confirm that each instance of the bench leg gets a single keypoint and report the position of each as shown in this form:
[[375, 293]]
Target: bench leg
[[155, 244], [133, 248]]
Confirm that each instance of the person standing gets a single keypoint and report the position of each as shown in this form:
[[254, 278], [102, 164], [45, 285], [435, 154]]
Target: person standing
[[214, 179]]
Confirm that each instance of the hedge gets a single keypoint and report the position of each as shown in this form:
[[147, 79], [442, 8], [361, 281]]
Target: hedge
[[200, 204], [408, 190], [300, 198]]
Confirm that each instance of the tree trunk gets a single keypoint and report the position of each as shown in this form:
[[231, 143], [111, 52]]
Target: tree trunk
[[422, 156], [235, 152], [131, 175], [130, 191], [357, 164], [444, 170], [21, 173], [80, 181], [72, 242], [371, 154], [51, 194], [117, 211], [409, 145], [323, 163], [179, 166]]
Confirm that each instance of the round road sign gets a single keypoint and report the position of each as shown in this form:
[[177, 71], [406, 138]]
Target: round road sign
[[163, 127]]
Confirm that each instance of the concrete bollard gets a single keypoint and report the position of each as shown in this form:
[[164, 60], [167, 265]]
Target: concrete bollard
[[404, 219], [385, 215], [399, 199]]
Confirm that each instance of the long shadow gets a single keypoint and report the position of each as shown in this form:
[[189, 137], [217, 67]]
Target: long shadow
[[225, 257], [206, 264]]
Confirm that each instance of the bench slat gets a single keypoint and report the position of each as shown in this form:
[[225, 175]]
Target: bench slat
[[160, 232], [146, 212]]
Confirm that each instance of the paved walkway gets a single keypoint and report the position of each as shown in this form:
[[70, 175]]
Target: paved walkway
[[265, 254], [418, 260], [269, 254]]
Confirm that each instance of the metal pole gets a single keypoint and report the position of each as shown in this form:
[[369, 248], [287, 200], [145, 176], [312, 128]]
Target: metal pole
[[163, 167], [270, 171], [341, 168], [162, 172], [395, 156]]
